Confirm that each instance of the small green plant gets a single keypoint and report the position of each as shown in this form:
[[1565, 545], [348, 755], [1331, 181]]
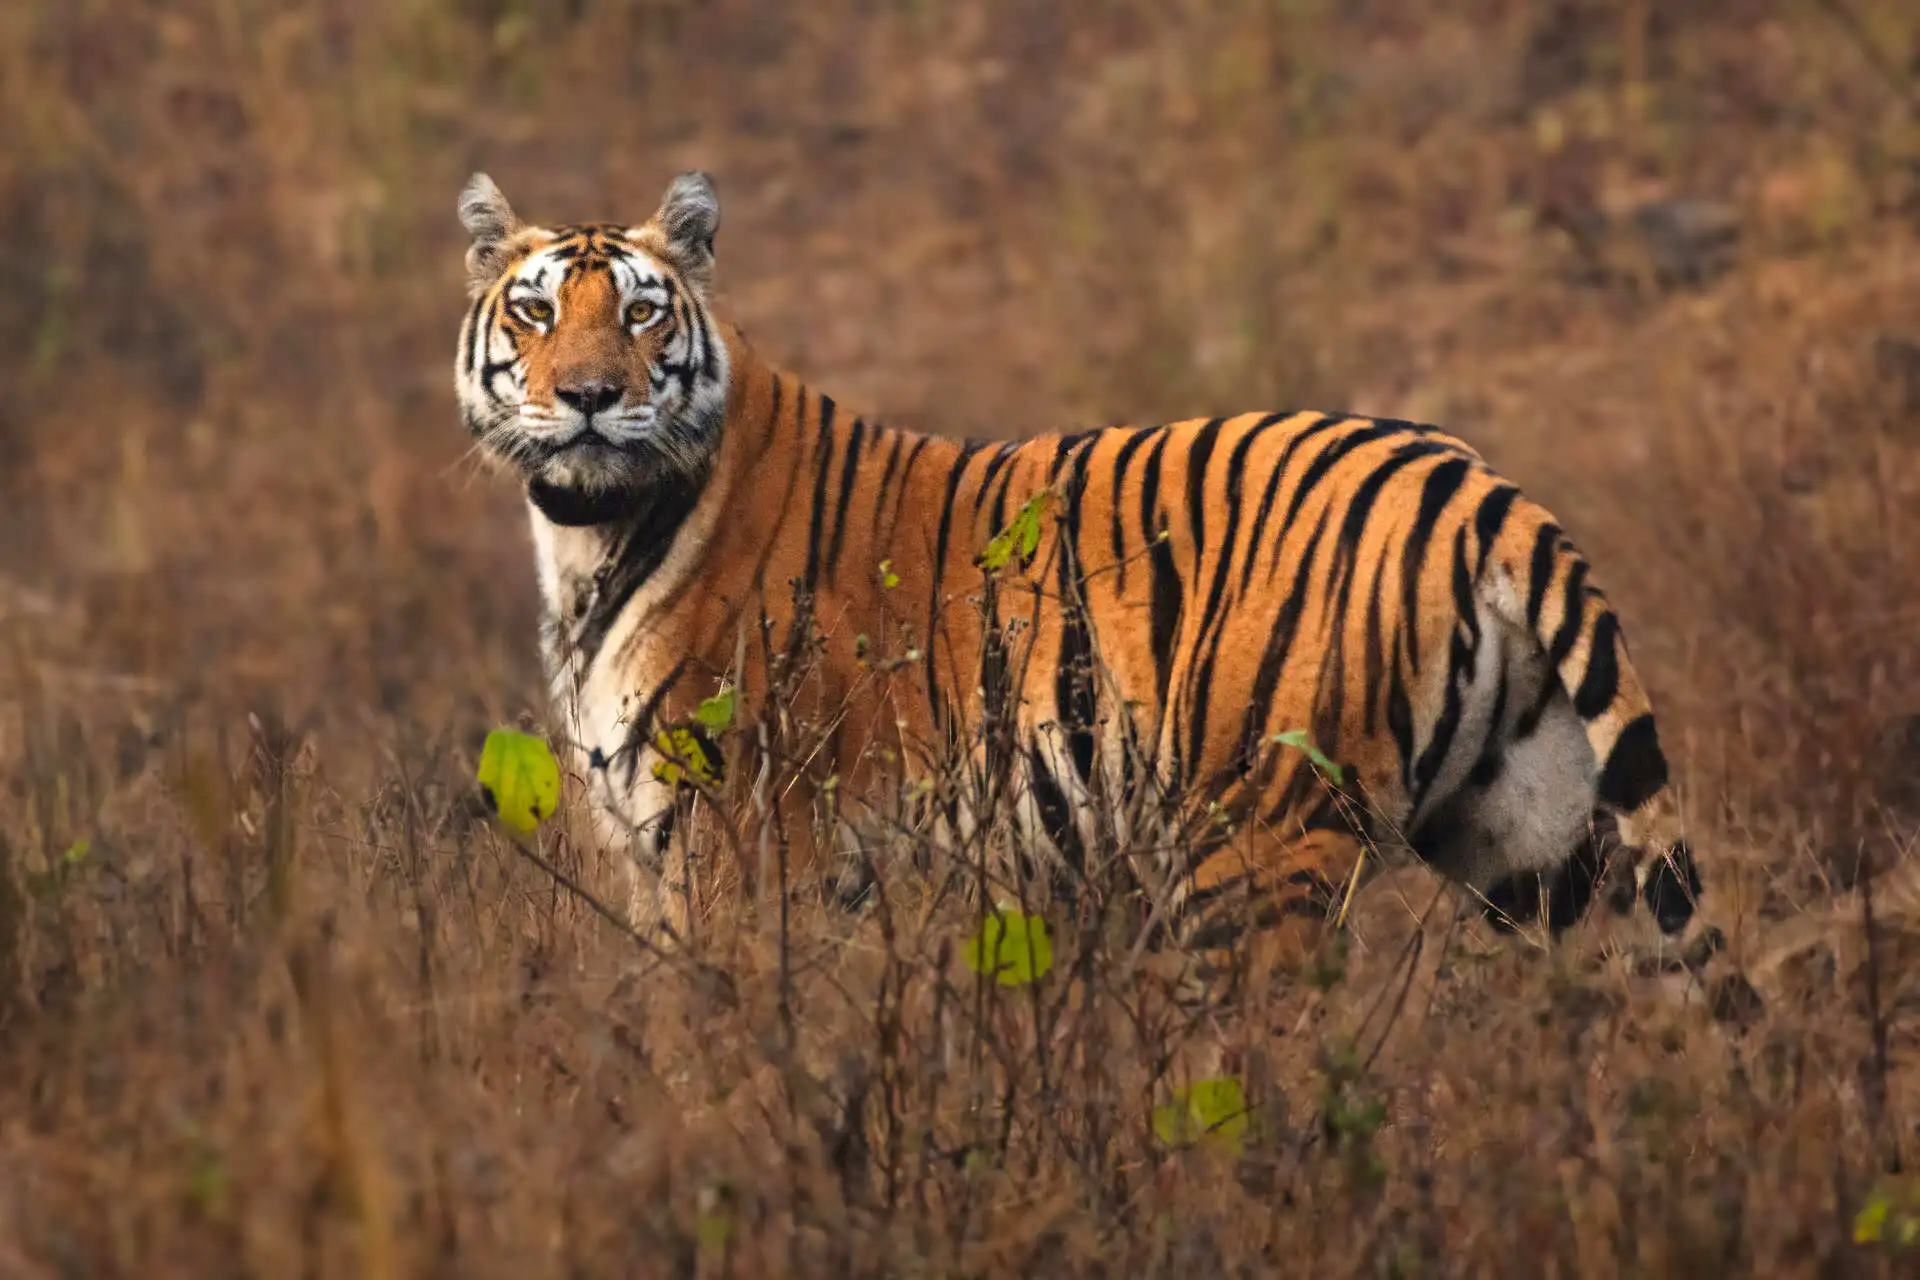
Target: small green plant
[[888, 578], [1891, 1214], [1298, 738], [714, 1228], [1012, 946], [1350, 1121], [1020, 538], [519, 779]]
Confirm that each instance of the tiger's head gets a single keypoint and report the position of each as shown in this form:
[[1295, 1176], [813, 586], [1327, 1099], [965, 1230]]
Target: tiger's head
[[588, 362]]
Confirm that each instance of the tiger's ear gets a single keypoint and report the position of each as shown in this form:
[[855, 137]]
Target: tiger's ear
[[489, 219], [688, 217]]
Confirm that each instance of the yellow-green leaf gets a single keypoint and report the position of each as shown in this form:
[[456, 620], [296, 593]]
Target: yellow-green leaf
[[1022, 535], [888, 578], [684, 757], [1872, 1218], [77, 852], [1212, 1111], [1298, 738], [1172, 1123], [1891, 1214], [1012, 946], [716, 713], [519, 779]]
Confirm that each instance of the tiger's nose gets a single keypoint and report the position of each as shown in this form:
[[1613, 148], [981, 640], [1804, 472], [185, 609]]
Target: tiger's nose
[[591, 395]]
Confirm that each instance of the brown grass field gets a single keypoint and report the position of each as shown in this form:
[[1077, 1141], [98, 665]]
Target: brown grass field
[[278, 999]]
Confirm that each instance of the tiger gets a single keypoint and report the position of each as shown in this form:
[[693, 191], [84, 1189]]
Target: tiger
[[1334, 634]]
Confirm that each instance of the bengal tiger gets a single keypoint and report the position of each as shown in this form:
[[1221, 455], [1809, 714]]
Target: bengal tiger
[[1254, 605]]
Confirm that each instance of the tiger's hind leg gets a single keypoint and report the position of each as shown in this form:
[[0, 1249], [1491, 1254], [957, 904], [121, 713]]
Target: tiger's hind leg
[[1264, 905]]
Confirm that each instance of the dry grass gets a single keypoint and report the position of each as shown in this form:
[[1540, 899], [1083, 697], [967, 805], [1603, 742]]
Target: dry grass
[[275, 999]]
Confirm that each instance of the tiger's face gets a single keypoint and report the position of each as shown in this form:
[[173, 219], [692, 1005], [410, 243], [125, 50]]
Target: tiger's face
[[588, 362]]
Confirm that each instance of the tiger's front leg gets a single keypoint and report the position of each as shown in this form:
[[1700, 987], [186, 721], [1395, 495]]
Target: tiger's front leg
[[638, 827]]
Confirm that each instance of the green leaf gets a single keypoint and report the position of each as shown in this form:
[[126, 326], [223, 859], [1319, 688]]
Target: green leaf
[[714, 1227], [716, 713], [1212, 1111], [77, 852], [1891, 1214], [1022, 535], [1872, 1218], [685, 756], [1173, 1122], [1012, 946], [1298, 738], [518, 779], [888, 578], [1220, 1107]]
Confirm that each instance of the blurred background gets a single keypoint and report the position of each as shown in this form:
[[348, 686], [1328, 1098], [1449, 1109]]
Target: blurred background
[[1659, 261]]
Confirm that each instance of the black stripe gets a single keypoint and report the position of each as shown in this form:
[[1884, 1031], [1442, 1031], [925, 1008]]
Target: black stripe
[[470, 354], [1279, 643], [1443, 482], [997, 522], [901, 490], [849, 474], [1056, 815], [1330, 457], [1199, 453], [1002, 455], [1331, 686], [1400, 710], [1276, 473], [1074, 694], [1166, 606], [1573, 615], [1376, 661], [1063, 447], [1121, 460], [886, 474], [636, 552], [967, 450], [1636, 768], [1460, 656], [1213, 619], [1601, 684], [1353, 527], [823, 459], [1465, 605], [1540, 572], [1489, 520]]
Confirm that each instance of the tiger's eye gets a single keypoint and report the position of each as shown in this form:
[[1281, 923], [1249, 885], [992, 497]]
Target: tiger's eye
[[536, 311], [640, 313]]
